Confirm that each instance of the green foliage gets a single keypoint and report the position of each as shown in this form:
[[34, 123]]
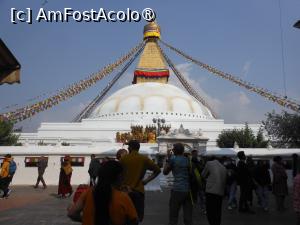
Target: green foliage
[[260, 140], [283, 129], [245, 138], [7, 138]]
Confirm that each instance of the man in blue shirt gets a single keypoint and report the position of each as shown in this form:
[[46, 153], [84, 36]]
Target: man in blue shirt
[[180, 193]]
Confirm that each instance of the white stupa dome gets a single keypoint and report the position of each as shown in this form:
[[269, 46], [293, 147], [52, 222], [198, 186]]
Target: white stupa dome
[[152, 99]]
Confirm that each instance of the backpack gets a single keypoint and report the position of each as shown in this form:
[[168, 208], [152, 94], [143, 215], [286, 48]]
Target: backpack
[[12, 168]]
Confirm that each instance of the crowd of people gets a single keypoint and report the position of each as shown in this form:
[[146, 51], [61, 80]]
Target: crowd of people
[[204, 181], [116, 193]]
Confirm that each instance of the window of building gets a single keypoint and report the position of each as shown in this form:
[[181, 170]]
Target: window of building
[[32, 161]]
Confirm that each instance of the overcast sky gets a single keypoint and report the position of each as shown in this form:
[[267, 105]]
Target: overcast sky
[[238, 37]]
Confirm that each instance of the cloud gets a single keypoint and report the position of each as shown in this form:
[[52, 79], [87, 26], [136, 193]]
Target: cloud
[[236, 107], [185, 69], [246, 68], [243, 99], [232, 106]]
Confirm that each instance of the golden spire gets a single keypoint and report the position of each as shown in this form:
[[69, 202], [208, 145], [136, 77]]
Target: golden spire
[[151, 30], [151, 66]]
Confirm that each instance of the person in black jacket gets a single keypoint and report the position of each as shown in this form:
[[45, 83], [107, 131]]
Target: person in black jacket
[[245, 182], [251, 167], [263, 182], [94, 169]]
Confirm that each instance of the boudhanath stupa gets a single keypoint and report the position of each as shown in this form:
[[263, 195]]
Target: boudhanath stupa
[[149, 97], [150, 110]]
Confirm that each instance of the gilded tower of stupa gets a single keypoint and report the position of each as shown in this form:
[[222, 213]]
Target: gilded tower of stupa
[[151, 66]]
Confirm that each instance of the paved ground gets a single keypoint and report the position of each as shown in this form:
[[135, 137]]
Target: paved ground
[[28, 206]]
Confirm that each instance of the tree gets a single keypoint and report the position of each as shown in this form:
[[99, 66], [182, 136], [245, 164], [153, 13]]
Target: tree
[[283, 129], [227, 138], [7, 138], [260, 140], [245, 138]]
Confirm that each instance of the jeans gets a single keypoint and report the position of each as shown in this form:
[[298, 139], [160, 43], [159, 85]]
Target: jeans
[[178, 200], [262, 192], [232, 194]]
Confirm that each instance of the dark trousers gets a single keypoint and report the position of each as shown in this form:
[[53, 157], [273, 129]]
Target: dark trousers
[[138, 200], [244, 196], [280, 202], [40, 179], [213, 208], [4, 184], [178, 200]]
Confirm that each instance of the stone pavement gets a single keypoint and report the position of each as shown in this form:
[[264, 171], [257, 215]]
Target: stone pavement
[[29, 206]]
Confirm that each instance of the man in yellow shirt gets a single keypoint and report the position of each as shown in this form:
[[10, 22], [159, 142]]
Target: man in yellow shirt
[[135, 167]]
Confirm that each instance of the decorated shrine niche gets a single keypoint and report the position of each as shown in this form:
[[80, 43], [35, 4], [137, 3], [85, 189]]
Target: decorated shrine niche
[[143, 135]]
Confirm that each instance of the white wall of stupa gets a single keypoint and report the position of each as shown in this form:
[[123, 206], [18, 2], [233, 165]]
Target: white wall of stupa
[[136, 104]]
